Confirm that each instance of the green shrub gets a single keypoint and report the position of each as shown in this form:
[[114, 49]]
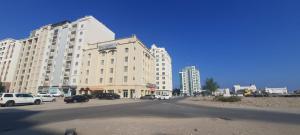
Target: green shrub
[[227, 99]]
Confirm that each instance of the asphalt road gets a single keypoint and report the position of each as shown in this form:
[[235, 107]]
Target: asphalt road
[[15, 119]]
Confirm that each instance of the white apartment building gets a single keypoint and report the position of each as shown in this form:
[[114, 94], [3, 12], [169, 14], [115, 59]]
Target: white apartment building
[[251, 87], [9, 55], [52, 55], [124, 66], [283, 90], [163, 68], [189, 80]]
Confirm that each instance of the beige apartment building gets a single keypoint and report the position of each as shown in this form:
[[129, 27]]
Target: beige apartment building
[[51, 57], [9, 55], [123, 66]]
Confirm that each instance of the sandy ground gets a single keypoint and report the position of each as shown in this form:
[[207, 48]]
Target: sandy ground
[[280, 104], [60, 104], [163, 126]]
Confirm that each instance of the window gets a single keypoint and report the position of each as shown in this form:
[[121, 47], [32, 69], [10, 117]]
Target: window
[[133, 78], [157, 73], [157, 78], [81, 33], [163, 73], [8, 95], [80, 40], [87, 72], [163, 60], [163, 87], [125, 68], [102, 62], [81, 25], [89, 63], [111, 70], [110, 80], [76, 63], [101, 80], [101, 71], [163, 78], [112, 61], [125, 78], [157, 69], [86, 80], [126, 50], [75, 72], [126, 59], [163, 82], [77, 55], [163, 64]]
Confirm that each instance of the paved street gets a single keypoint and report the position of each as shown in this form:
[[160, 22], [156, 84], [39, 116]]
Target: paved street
[[14, 120]]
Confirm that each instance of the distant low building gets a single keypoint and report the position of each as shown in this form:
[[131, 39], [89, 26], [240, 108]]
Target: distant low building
[[252, 87], [223, 92], [283, 90]]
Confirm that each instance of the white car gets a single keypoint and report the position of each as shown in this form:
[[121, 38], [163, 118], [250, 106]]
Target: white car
[[11, 99], [47, 98], [164, 97]]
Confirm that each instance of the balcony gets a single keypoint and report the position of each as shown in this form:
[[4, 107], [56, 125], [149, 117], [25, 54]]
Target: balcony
[[68, 58], [68, 66]]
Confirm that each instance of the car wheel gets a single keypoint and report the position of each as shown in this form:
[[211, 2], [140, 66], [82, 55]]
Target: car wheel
[[37, 102], [54, 100], [10, 103]]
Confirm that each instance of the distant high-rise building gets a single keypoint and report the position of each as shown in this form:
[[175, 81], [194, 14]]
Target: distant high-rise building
[[163, 69], [189, 80], [52, 55]]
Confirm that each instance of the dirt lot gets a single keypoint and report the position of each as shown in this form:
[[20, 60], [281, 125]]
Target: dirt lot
[[60, 104], [282, 104]]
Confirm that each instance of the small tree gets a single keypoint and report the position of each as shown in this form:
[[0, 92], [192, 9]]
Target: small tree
[[211, 85], [2, 87]]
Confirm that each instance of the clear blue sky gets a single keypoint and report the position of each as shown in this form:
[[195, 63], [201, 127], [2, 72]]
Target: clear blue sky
[[233, 41]]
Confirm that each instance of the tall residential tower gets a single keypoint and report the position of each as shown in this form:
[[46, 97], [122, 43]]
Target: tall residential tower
[[189, 80], [163, 68], [52, 55]]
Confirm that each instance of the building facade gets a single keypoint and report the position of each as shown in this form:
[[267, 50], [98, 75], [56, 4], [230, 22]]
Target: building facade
[[163, 69], [189, 80], [283, 90], [123, 66], [52, 55], [9, 55]]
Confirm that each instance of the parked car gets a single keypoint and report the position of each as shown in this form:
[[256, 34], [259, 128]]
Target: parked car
[[47, 98], [164, 97], [76, 98], [11, 99], [108, 96], [152, 97]]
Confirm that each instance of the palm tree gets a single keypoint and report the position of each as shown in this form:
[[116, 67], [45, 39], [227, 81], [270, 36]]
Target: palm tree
[[211, 85]]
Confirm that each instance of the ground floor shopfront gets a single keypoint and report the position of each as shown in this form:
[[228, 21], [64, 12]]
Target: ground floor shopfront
[[126, 91]]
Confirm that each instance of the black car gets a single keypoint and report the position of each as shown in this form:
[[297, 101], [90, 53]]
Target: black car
[[76, 98], [108, 96], [152, 97]]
